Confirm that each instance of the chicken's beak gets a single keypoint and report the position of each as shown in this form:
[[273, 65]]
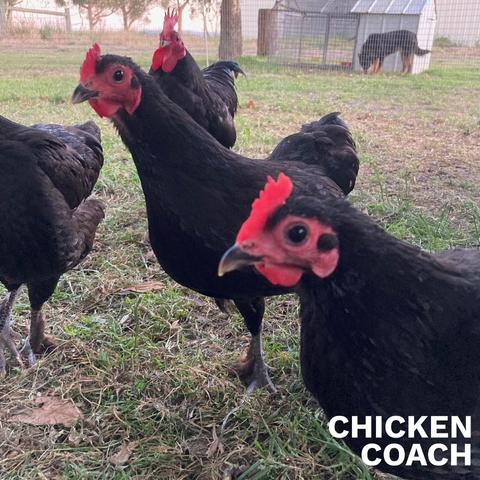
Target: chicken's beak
[[81, 94], [235, 258]]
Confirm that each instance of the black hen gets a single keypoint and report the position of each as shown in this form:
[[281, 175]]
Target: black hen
[[207, 95], [196, 191], [48, 221], [323, 143], [387, 329]]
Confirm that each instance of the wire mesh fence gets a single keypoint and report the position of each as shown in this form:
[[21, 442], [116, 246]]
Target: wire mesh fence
[[308, 35]]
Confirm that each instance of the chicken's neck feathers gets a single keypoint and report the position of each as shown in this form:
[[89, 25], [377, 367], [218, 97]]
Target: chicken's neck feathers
[[159, 130]]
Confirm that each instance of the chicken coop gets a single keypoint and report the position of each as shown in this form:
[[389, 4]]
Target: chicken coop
[[381, 16], [314, 33]]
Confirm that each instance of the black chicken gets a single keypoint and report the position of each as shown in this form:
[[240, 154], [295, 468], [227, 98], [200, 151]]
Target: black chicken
[[387, 329], [197, 192], [207, 95], [48, 223]]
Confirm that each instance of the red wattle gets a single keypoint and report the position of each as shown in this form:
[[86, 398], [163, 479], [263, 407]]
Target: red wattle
[[169, 62], [157, 59], [283, 276]]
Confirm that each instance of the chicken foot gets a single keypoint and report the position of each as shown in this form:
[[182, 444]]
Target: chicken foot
[[251, 367], [8, 336]]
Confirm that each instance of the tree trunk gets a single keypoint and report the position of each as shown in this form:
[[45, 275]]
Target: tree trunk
[[8, 14], [230, 30], [126, 23], [267, 41], [2, 18], [91, 21], [180, 9]]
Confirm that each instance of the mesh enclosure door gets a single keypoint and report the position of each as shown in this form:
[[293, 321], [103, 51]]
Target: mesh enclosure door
[[342, 33], [316, 39]]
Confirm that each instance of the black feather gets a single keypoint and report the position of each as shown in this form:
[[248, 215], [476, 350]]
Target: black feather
[[208, 95], [48, 222]]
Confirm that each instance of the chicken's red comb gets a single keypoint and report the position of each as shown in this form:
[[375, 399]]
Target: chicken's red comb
[[88, 66], [273, 196], [169, 22]]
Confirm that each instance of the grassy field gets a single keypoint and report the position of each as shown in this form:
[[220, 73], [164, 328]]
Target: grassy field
[[150, 370]]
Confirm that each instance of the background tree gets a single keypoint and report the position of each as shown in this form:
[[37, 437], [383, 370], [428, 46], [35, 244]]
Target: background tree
[[132, 10], [208, 10], [93, 10], [2, 17], [230, 30], [6, 12]]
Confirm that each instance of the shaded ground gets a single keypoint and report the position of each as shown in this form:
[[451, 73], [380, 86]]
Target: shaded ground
[[149, 371]]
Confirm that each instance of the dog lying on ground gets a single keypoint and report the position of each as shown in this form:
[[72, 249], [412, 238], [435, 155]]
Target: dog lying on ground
[[380, 45]]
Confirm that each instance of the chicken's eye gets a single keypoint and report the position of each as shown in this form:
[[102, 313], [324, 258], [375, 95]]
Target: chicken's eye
[[118, 75], [297, 234]]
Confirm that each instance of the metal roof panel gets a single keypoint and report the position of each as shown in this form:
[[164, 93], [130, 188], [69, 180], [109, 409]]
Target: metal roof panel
[[390, 7], [398, 7], [415, 7], [320, 6]]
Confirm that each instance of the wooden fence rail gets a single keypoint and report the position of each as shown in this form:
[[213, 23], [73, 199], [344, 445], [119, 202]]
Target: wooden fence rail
[[4, 11]]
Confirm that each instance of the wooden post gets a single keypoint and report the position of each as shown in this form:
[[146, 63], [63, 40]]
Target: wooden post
[[68, 20], [325, 40], [267, 42], [300, 44]]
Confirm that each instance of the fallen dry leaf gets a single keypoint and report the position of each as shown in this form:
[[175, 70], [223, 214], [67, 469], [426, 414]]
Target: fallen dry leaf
[[143, 288], [216, 445], [123, 455], [51, 411]]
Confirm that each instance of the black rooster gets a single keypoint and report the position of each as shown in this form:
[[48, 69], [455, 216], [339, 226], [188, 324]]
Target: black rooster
[[207, 95], [197, 192], [387, 329], [48, 223]]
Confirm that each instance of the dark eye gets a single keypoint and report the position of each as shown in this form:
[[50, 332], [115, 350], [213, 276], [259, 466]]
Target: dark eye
[[297, 234], [118, 75]]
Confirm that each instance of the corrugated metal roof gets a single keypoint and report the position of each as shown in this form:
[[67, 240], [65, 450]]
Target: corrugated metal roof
[[320, 6], [392, 7]]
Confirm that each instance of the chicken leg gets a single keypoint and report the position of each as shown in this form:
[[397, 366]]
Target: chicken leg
[[251, 367], [39, 293], [8, 336]]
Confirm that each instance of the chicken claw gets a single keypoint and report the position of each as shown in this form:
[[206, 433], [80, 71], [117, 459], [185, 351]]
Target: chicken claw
[[8, 337], [252, 368]]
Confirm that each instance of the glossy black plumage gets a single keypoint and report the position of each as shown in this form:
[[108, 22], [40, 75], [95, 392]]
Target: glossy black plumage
[[207, 95], [198, 193], [47, 221], [393, 331], [326, 142]]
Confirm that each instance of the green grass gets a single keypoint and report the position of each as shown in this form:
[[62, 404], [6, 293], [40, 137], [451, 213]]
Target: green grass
[[152, 368]]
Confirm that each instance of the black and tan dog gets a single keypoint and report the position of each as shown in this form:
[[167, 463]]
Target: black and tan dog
[[380, 45]]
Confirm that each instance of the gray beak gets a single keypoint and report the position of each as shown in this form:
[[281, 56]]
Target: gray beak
[[235, 258], [81, 94]]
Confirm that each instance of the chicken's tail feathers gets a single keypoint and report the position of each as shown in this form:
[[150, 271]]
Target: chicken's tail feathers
[[87, 217], [326, 143], [91, 136], [91, 128], [332, 118]]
